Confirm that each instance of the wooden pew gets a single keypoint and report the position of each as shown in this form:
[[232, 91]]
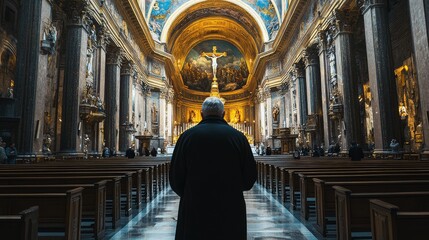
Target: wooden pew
[[57, 211], [307, 185], [325, 195], [113, 187], [21, 226], [353, 211], [93, 200], [141, 178], [126, 180], [388, 223]]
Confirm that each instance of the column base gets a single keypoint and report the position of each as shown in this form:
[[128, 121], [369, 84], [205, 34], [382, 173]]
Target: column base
[[26, 158], [424, 156], [386, 154], [70, 155]]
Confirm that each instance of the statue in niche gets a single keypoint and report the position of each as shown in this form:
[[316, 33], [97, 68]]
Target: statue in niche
[[402, 111], [276, 112], [332, 67], [192, 116], [46, 149], [10, 92], [99, 105], [237, 117], [52, 35], [86, 142], [92, 39], [154, 112]]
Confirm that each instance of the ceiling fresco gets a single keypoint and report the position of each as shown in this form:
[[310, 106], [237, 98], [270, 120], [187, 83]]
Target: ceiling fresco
[[231, 68], [158, 12]]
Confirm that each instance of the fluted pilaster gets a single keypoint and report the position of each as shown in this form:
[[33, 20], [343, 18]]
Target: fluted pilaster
[[111, 123], [324, 83], [124, 105], [299, 74]]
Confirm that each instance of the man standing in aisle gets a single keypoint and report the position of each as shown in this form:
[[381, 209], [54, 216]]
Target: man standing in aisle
[[211, 166]]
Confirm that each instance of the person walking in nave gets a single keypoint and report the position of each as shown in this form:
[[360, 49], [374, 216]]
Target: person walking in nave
[[210, 182]]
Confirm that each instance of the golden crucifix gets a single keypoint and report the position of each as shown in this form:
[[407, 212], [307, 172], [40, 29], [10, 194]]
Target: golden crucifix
[[214, 56]]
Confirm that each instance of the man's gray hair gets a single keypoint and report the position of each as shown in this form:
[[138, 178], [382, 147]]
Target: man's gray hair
[[212, 106]]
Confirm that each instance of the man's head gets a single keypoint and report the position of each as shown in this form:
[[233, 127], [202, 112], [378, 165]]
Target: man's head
[[212, 106]]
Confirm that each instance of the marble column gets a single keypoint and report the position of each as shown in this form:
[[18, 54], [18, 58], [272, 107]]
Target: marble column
[[111, 123], [381, 75], [419, 12], [162, 113], [100, 79], [293, 104], [347, 81], [29, 24], [269, 114], [314, 99], [324, 78], [170, 120], [312, 76], [124, 105], [299, 74], [74, 79]]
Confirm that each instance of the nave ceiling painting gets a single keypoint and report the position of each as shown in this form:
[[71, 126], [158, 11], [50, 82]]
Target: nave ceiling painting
[[240, 28]]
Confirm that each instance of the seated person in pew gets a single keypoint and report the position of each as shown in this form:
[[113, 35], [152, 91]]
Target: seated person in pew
[[355, 152], [130, 153]]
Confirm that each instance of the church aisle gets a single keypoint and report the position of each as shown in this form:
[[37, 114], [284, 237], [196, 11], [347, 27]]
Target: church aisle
[[267, 219]]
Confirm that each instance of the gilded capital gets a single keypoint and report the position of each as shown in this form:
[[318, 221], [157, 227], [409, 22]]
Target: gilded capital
[[114, 56], [77, 12], [298, 70], [340, 22], [310, 56], [365, 5], [127, 68], [321, 41]]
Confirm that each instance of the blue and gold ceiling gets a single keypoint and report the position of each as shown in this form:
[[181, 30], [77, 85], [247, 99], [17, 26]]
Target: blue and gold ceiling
[[188, 27], [158, 12]]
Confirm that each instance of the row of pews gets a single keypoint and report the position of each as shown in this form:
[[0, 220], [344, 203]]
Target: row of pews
[[376, 199], [73, 199]]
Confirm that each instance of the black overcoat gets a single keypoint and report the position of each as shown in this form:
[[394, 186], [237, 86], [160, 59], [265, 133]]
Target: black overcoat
[[212, 165]]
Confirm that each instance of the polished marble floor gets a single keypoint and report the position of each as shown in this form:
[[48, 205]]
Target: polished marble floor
[[267, 219]]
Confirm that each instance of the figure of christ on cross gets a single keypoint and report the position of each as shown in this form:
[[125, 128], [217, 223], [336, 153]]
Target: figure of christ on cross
[[214, 56]]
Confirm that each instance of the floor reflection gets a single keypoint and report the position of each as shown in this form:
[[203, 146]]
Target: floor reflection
[[267, 219]]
